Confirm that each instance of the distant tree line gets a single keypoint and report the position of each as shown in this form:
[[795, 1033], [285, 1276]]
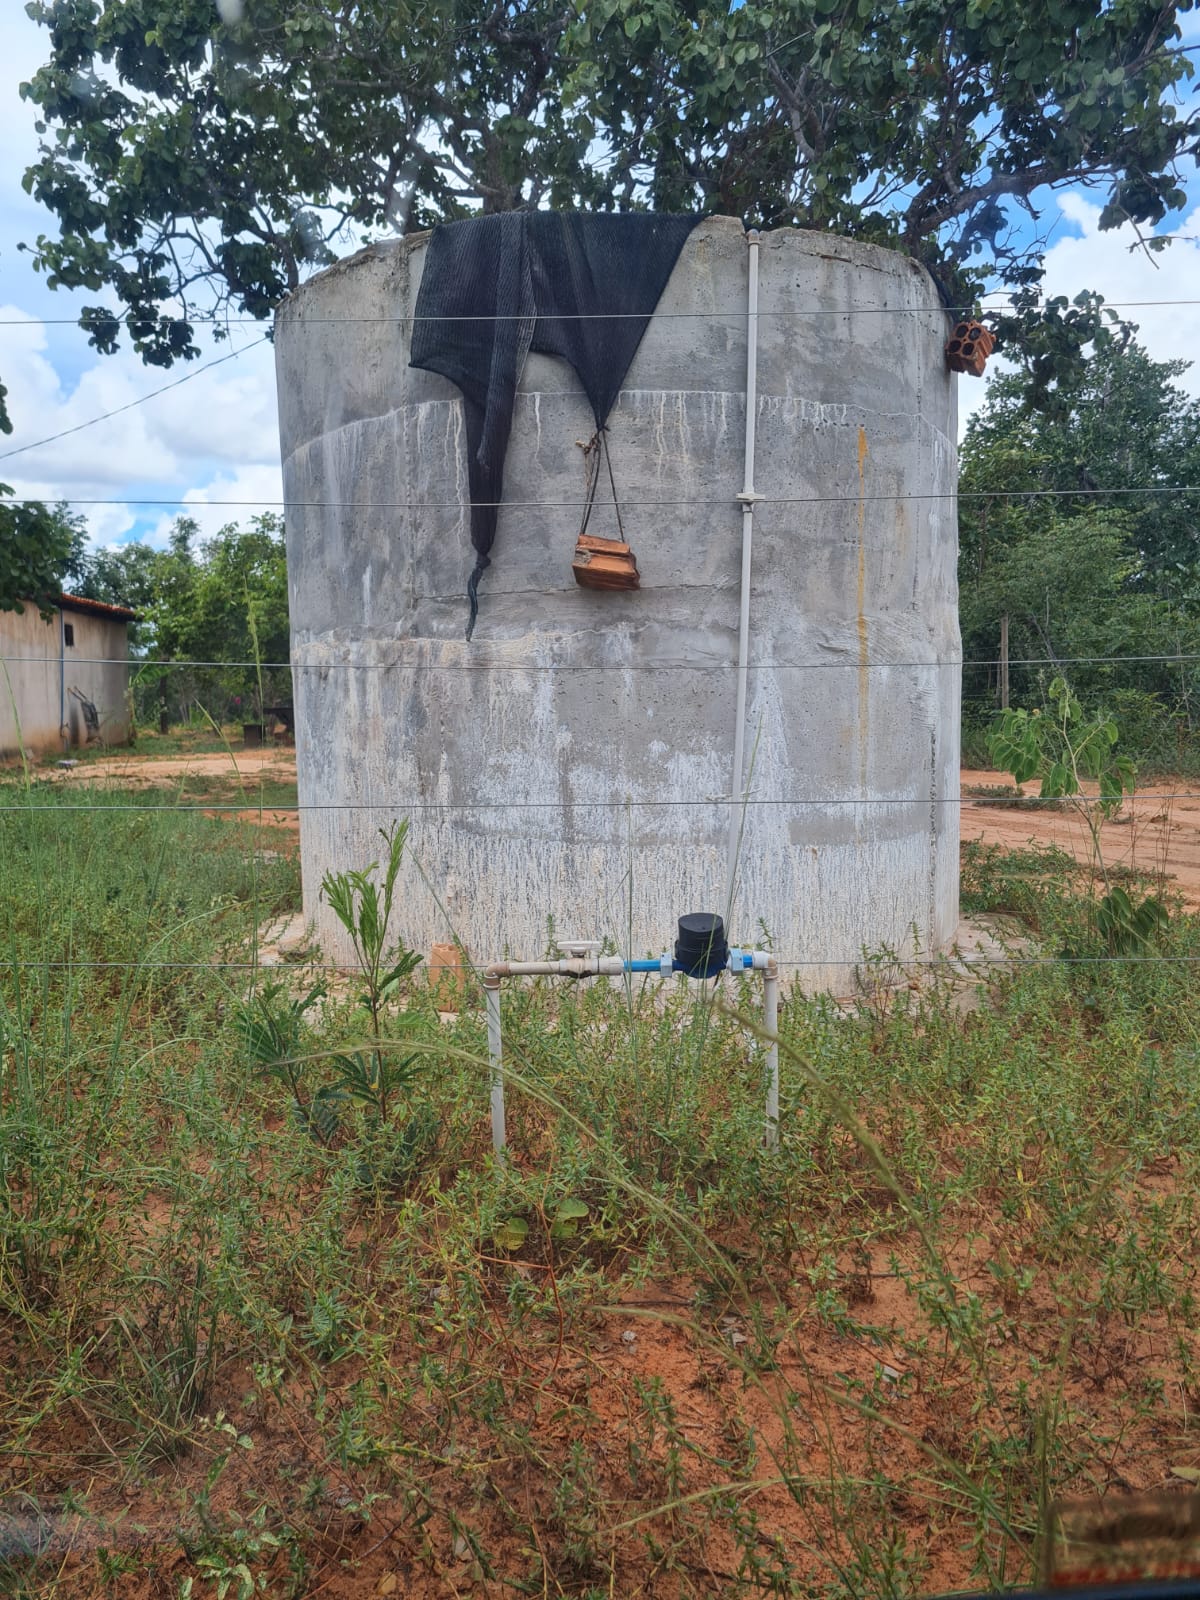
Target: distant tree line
[[1079, 521], [212, 614]]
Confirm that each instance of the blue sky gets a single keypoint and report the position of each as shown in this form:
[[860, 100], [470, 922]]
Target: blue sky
[[214, 438]]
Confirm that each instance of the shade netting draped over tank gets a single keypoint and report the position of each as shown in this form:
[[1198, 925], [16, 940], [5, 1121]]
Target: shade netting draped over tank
[[494, 288]]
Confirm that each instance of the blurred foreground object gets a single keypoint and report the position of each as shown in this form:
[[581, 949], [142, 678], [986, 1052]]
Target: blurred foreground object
[[1123, 1539]]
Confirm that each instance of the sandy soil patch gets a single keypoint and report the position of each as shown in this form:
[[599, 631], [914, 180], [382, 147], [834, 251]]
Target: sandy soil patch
[[1157, 832]]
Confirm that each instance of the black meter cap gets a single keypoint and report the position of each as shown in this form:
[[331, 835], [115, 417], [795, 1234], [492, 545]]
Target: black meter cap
[[701, 949]]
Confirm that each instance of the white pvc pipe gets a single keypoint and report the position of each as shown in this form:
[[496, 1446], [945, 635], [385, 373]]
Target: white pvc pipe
[[747, 498], [598, 966], [491, 994], [569, 967], [771, 1027]]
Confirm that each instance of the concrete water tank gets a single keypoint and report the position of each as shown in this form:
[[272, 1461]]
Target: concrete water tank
[[574, 760]]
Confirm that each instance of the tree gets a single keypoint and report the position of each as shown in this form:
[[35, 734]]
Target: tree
[[240, 612], [38, 547], [1084, 576], [212, 611], [120, 575], [195, 165], [1118, 421]]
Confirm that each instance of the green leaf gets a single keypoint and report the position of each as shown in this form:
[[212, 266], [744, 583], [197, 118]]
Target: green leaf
[[511, 1233], [997, 90], [568, 1214], [1058, 780], [323, 1117]]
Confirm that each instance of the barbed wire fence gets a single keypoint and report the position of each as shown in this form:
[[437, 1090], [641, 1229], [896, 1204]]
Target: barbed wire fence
[[421, 654]]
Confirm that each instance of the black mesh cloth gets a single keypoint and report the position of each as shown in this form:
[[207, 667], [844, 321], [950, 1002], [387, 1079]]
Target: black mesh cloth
[[577, 286]]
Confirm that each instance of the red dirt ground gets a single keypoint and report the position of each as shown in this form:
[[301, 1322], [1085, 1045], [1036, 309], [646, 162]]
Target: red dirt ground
[[1157, 832]]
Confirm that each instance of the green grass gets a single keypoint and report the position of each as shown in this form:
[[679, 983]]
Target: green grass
[[180, 740], [1010, 799], [254, 789], [267, 1354]]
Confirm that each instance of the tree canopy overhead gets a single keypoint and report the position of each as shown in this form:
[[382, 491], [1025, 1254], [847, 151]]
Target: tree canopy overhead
[[200, 164]]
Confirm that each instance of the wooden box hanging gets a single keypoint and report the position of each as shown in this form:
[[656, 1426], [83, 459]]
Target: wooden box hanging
[[604, 564]]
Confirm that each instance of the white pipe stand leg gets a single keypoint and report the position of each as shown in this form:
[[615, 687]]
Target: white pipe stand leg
[[771, 1025], [491, 993]]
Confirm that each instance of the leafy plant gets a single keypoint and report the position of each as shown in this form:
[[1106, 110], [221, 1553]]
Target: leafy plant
[[1130, 927], [510, 1233], [273, 1028], [365, 912], [1061, 747], [377, 1077], [568, 1214]]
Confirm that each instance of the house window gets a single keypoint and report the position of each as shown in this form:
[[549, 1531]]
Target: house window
[[68, 634]]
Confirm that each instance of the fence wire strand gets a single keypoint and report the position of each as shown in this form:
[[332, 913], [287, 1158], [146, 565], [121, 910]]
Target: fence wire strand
[[948, 962], [706, 667], [703, 503], [735, 314], [712, 802]]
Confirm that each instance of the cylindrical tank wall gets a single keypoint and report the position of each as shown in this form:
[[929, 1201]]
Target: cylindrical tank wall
[[573, 761]]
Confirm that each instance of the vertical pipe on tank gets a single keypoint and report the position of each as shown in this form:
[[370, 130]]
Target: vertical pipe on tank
[[747, 498]]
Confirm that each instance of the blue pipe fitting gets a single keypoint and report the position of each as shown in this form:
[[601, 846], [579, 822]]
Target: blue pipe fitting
[[735, 960]]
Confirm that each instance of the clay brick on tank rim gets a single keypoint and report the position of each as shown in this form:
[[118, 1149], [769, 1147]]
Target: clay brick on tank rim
[[969, 347]]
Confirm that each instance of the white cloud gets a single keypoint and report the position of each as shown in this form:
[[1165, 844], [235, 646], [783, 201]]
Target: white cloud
[[219, 423], [234, 496], [1118, 267]]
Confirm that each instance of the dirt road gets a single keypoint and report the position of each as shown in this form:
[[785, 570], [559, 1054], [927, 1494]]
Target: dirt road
[[1158, 831], [130, 768], [225, 776]]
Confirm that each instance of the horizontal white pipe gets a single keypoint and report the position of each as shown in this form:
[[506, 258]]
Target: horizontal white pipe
[[568, 967]]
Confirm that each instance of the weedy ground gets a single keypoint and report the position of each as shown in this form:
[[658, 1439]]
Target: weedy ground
[[272, 1321]]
